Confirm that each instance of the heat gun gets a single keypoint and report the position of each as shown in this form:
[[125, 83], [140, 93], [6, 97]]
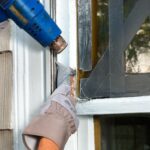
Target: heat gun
[[31, 16]]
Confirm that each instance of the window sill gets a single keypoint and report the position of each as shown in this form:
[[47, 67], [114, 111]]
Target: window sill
[[129, 105]]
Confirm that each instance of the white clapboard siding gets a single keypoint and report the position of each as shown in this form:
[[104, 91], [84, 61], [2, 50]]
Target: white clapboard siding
[[4, 36], [5, 90], [6, 140]]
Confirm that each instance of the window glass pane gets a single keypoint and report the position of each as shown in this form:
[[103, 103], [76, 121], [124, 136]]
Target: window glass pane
[[130, 137], [128, 6], [126, 133], [137, 55], [93, 35], [84, 34], [102, 26], [93, 30]]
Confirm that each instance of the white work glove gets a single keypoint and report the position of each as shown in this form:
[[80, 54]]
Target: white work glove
[[57, 120]]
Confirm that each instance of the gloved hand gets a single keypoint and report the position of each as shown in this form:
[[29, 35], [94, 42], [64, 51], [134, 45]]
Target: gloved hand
[[57, 120]]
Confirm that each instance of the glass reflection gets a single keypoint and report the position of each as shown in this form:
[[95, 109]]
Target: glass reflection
[[126, 133], [128, 6], [137, 55], [102, 27], [84, 35], [93, 34], [93, 30], [130, 137]]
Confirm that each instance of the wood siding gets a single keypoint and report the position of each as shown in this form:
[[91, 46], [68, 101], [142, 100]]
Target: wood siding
[[6, 86], [5, 89], [5, 36], [6, 140]]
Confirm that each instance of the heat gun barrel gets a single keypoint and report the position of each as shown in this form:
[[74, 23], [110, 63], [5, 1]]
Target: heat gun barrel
[[31, 16]]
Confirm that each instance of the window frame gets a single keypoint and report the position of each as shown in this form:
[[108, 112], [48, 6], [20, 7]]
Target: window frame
[[87, 108], [108, 78]]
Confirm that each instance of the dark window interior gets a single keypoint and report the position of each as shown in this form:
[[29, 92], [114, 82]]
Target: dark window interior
[[126, 133]]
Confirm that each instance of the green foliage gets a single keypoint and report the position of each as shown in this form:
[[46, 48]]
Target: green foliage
[[140, 43]]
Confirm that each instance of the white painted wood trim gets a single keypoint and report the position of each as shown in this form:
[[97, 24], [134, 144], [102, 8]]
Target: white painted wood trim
[[84, 138], [86, 133], [129, 105], [66, 18]]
